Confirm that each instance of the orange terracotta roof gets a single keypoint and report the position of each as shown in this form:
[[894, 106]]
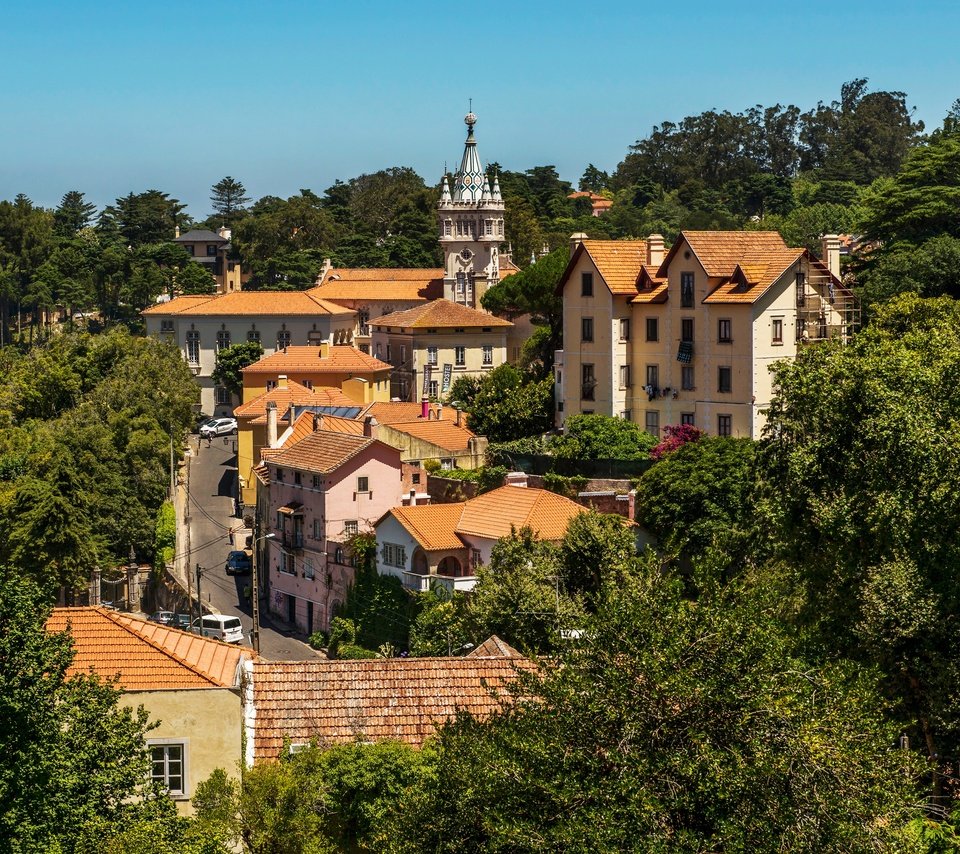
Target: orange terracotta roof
[[751, 279], [444, 434], [385, 698], [395, 412], [434, 526], [321, 396], [412, 285], [494, 647], [254, 303], [145, 656], [618, 262], [282, 396], [176, 305], [494, 514], [305, 358], [506, 268], [439, 313], [323, 451], [303, 427], [719, 252], [651, 286]]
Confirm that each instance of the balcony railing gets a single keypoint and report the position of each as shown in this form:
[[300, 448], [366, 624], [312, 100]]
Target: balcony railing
[[292, 540]]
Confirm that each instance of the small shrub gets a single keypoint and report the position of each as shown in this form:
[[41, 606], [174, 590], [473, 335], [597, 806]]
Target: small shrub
[[352, 652], [432, 466], [318, 640], [562, 485]]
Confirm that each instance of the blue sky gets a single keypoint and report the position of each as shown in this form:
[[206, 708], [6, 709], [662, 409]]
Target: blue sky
[[110, 97]]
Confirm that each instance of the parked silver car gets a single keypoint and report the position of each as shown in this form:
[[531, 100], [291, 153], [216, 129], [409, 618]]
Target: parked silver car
[[218, 427]]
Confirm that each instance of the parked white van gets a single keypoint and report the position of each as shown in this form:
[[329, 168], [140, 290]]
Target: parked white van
[[220, 626]]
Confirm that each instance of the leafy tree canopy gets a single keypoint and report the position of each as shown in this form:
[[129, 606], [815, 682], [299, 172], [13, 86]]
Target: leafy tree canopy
[[231, 361], [592, 437]]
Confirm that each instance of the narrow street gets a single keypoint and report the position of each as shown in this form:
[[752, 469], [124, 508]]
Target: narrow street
[[209, 517]]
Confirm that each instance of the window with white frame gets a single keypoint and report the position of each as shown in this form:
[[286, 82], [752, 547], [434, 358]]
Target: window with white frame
[[624, 328], [221, 395], [253, 335], [686, 378], [459, 356], [283, 339], [394, 555], [488, 354], [475, 559], [317, 529], [317, 481], [193, 347], [652, 422], [168, 765], [434, 388], [431, 355], [724, 330], [286, 564], [308, 569], [350, 527], [625, 376], [776, 330], [223, 339]]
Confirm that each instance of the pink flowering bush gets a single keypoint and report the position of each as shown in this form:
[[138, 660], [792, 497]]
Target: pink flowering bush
[[675, 436]]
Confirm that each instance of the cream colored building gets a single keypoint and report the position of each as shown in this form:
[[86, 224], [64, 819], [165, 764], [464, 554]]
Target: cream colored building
[[431, 345], [202, 325], [689, 337], [212, 250]]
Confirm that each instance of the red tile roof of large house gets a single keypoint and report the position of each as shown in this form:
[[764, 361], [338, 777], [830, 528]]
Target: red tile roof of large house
[[439, 313], [144, 655], [406, 699], [322, 451], [249, 303], [306, 358], [434, 526], [719, 252], [292, 392], [444, 434]]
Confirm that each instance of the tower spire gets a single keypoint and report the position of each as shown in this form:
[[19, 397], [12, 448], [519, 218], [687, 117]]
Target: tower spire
[[469, 178]]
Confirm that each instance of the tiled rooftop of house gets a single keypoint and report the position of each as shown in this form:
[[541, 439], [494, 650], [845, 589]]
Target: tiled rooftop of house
[[439, 313], [249, 303], [283, 396], [444, 434], [719, 252], [321, 452], [494, 647], [750, 279], [144, 655], [340, 358], [409, 285], [386, 698], [493, 515], [618, 262]]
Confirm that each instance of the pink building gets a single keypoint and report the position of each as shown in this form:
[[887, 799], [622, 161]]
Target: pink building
[[323, 489]]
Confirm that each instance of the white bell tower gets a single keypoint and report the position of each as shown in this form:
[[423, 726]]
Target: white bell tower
[[471, 227]]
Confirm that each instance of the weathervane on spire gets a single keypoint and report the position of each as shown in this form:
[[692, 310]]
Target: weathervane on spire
[[470, 118]]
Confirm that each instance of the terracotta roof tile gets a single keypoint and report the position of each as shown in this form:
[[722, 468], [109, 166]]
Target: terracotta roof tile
[[750, 279], [381, 284], [439, 313], [252, 303], [719, 252], [494, 647], [395, 412], [390, 698], [341, 358], [494, 513], [444, 434], [322, 451], [283, 397], [618, 262], [434, 526], [146, 656], [175, 306]]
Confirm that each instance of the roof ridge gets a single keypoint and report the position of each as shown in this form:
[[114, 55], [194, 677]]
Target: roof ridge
[[117, 620]]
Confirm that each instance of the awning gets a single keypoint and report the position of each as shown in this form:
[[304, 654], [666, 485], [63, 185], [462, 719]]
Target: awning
[[291, 509]]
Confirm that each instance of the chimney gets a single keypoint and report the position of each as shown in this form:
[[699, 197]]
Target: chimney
[[413, 498], [458, 419], [655, 251], [439, 412], [516, 478], [282, 381], [176, 232], [324, 349], [425, 408], [326, 268], [317, 422], [271, 424], [831, 253], [370, 425], [224, 232], [575, 240]]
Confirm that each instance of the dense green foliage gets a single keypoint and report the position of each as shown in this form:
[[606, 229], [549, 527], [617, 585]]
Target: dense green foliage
[[71, 757], [593, 437], [231, 361], [86, 448], [506, 403]]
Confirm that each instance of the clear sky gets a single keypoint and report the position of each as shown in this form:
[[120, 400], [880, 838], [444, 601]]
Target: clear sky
[[112, 97]]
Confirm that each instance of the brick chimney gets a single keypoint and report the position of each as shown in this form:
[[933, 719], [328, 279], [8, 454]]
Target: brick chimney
[[370, 427], [831, 253], [655, 250], [272, 424]]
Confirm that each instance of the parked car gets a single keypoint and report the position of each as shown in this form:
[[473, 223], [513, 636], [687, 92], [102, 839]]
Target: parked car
[[181, 621], [163, 617], [239, 562], [220, 626], [218, 427]]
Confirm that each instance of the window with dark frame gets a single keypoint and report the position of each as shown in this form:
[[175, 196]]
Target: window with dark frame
[[653, 377], [586, 284], [588, 382], [624, 328], [363, 484], [625, 376], [586, 329], [653, 329], [724, 379], [776, 327], [686, 290], [652, 422], [686, 378], [724, 425], [688, 418], [686, 329], [724, 330]]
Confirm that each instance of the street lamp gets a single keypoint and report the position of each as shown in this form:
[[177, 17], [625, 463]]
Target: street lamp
[[255, 592]]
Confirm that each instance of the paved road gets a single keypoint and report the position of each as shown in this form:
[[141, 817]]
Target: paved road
[[210, 508]]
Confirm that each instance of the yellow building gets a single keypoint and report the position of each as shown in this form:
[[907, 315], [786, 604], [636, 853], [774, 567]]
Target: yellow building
[[431, 345], [190, 686], [689, 338], [212, 250]]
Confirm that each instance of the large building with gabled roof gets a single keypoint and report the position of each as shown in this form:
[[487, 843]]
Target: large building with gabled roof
[[689, 336]]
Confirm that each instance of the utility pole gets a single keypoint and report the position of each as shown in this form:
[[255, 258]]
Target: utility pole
[[199, 600], [255, 587], [173, 477]]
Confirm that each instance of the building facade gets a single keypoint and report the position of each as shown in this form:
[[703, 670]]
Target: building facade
[[212, 250], [689, 337]]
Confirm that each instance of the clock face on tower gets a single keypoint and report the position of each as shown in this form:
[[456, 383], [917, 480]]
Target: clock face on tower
[[466, 254]]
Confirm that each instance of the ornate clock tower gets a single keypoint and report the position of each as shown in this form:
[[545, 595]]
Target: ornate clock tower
[[471, 227]]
